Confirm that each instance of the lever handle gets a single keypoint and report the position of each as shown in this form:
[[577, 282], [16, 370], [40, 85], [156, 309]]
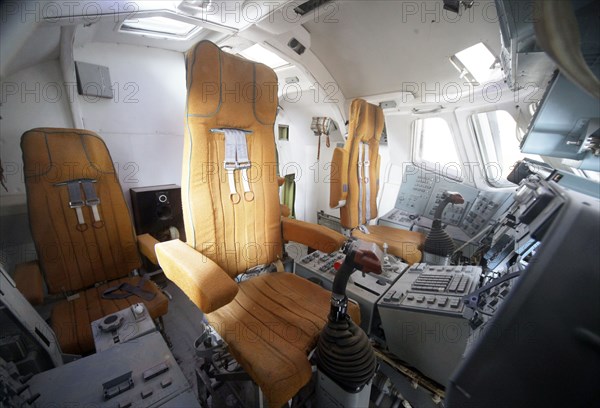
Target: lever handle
[[455, 198]]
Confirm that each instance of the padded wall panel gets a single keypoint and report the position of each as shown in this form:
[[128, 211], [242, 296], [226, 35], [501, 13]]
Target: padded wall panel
[[74, 258], [224, 94]]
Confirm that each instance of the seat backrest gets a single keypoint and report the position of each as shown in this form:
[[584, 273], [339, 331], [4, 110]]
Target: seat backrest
[[355, 180], [225, 92], [75, 256]]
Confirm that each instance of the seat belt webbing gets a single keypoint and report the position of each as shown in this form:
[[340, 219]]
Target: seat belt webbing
[[76, 200], [91, 199], [236, 158], [127, 289], [367, 164], [360, 182], [243, 163], [230, 163]]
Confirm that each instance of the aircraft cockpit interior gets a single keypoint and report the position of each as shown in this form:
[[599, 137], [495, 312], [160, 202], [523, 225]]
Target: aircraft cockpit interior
[[299, 203]]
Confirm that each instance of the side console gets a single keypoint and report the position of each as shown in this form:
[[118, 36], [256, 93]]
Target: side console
[[422, 317], [366, 289], [536, 322], [140, 373], [122, 326]]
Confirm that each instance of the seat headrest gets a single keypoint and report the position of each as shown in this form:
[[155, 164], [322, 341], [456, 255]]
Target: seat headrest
[[64, 154], [238, 93], [366, 121]]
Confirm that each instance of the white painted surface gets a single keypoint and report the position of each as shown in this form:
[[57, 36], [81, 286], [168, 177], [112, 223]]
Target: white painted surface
[[32, 97], [143, 125], [299, 154]]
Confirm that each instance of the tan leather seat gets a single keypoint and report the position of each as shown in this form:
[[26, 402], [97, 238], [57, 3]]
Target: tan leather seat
[[271, 322], [354, 184], [71, 320], [76, 256]]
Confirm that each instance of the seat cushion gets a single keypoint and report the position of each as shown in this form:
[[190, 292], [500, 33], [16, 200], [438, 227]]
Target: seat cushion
[[402, 243], [71, 320], [271, 326]]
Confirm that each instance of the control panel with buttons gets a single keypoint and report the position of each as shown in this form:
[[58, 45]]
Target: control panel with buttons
[[366, 289], [139, 373], [433, 288], [422, 317], [421, 193], [122, 326]]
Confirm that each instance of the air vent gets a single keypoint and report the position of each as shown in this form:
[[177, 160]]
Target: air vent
[[388, 104], [309, 6]]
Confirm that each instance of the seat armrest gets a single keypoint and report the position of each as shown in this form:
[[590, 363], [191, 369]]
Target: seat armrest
[[207, 285], [313, 235], [30, 282], [146, 243]]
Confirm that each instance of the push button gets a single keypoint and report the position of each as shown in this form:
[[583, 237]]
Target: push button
[[166, 382], [146, 393]]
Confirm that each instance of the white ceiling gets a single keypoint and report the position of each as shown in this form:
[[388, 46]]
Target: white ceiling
[[375, 47], [369, 47]]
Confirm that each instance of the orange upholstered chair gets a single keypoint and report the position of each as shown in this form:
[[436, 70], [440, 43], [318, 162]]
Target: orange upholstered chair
[[233, 223], [355, 184], [82, 232]]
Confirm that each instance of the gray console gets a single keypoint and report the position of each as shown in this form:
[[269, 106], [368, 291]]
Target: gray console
[[139, 373], [123, 326], [365, 289], [422, 317]]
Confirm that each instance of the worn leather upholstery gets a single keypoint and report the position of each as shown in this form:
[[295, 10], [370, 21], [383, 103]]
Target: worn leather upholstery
[[146, 243], [366, 125], [270, 322], [29, 281], [74, 258], [71, 319]]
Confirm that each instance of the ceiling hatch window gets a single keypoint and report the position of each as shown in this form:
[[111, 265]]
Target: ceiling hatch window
[[477, 64], [498, 140], [435, 148], [259, 53], [160, 26]]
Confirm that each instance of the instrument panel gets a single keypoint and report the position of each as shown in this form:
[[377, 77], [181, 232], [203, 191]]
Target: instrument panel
[[421, 192]]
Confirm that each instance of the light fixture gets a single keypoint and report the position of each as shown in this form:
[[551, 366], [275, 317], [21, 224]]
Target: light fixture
[[454, 5], [477, 64], [259, 53], [160, 26]]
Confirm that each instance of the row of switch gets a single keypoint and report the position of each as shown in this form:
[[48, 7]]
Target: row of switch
[[441, 301], [459, 284], [392, 296], [431, 282], [146, 393], [147, 376]]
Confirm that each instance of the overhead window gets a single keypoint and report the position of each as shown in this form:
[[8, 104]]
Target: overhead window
[[498, 139], [476, 64], [435, 147], [259, 53], [160, 26]]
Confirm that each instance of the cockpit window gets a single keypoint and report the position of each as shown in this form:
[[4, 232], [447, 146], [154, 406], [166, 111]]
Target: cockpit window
[[435, 147], [498, 139]]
